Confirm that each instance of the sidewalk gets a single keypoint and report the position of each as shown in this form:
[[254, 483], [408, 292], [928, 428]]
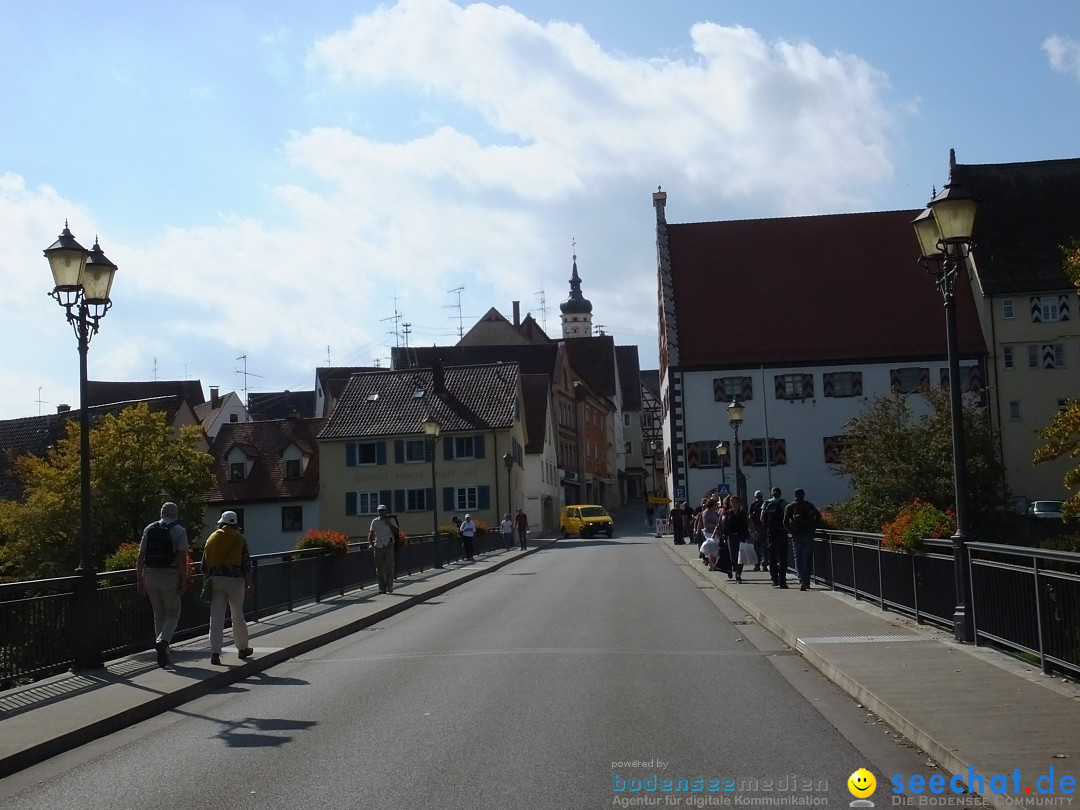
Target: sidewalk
[[964, 706]]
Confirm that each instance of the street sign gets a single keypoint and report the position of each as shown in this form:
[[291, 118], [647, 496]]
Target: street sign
[[723, 489], [680, 492]]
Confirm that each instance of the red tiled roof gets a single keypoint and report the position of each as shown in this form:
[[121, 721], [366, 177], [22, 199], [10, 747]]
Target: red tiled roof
[[263, 441], [805, 290]]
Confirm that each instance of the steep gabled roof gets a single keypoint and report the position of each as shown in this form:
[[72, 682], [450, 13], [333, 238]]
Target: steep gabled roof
[[332, 379], [534, 392], [390, 403], [531, 330], [650, 378], [838, 288], [593, 359], [629, 377], [282, 404], [101, 392], [492, 329], [263, 442], [1027, 211]]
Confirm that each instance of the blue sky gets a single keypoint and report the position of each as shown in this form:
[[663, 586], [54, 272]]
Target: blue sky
[[277, 180]]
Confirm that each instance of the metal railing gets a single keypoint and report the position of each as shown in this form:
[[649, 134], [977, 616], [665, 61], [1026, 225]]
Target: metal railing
[[1023, 600], [36, 616]]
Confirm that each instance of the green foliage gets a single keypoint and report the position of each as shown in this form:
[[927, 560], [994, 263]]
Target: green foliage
[[332, 541], [1062, 438], [915, 522], [137, 461], [891, 457], [123, 558]]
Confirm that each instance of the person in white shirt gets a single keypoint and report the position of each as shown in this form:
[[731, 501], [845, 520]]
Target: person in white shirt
[[381, 537], [467, 529], [507, 530]]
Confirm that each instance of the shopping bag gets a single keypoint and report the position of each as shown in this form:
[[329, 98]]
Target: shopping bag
[[747, 553]]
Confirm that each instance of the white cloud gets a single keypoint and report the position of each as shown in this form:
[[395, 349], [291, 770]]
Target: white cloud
[[1064, 55]]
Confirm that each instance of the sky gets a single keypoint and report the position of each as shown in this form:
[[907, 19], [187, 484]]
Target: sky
[[285, 186]]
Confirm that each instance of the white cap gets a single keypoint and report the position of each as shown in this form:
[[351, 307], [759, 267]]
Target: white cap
[[228, 517], [382, 507]]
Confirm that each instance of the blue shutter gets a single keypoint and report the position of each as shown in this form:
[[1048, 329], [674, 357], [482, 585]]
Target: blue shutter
[[350, 454], [350, 503], [399, 500], [380, 452], [478, 446], [429, 497], [483, 497], [399, 451], [448, 448], [448, 499]]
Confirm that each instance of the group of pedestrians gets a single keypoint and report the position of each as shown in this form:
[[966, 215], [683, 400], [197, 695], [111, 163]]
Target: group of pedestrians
[[730, 536], [162, 574]]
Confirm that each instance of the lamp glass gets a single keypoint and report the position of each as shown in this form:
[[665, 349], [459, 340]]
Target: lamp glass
[[508, 460], [735, 412], [97, 277], [928, 233], [67, 258], [431, 427], [722, 449], [954, 210]]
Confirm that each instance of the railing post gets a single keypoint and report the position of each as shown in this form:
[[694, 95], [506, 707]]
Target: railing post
[[1038, 615], [255, 590], [854, 572], [880, 583], [915, 587], [288, 559]]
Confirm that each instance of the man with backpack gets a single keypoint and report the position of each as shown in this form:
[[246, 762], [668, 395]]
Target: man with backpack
[[161, 572], [772, 520], [757, 531], [801, 519]]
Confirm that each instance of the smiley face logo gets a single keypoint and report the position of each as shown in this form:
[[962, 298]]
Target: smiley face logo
[[861, 783]]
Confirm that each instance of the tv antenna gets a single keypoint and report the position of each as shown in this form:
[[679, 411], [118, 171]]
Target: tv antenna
[[543, 302], [457, 306], [246, 374], [40, 401], [396, 318]]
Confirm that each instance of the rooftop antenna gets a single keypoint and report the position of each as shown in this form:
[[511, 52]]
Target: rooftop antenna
[[543, 302], [328, 363], [246, 374], [396, 318], [40, 401], [599, 329], [457, 306], [406, 328], [155, 369], [185, 365]]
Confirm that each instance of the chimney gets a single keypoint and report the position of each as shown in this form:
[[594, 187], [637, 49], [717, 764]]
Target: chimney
[[517, 313], [215, 400], [63, 408], [438, 381]]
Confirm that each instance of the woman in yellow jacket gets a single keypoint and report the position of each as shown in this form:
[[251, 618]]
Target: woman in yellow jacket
[[227, 563]]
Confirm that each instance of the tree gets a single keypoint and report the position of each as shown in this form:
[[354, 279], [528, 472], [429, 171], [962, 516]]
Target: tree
[[1062, 435], [136, 462], [892, 457]]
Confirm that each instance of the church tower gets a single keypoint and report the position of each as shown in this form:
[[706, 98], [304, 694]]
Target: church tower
[[576, 310]]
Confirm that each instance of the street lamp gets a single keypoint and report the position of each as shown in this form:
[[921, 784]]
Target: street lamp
[[944, 233], [83, 279], [722, 454], [508, 460], [432, 429], [735, 419]]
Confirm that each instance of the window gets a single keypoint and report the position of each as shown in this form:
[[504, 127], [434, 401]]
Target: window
[[1046, 309], [366, 453], [413, 451], [794, 386], [647, 419], [706, 454], [292, 518], [1007, 357], [464, 447], [1050, 355], [970, 379], [1063, 404], [761, 452], [362, 454], [1014, 409], [626, 420], [416, 500], [234, 417], [1007, 309], [237, 470], [628, 448], [293, 468], [363, 503], [834, 449], [465, 498], [910, 379], [842, 384], [726, 389]]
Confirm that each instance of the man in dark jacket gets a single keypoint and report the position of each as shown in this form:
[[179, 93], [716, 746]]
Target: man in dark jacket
[[801, 518], [772, 519]]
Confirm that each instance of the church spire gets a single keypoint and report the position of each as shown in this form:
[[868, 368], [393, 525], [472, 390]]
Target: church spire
[[576, 309]]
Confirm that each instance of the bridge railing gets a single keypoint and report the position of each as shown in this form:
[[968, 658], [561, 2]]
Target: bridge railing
[[1024, 600], [36, 616]]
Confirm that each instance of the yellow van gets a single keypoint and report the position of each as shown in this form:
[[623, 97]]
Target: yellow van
[[587, 520]]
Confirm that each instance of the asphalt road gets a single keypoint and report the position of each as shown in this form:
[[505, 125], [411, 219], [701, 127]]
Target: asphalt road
[[554, 682]]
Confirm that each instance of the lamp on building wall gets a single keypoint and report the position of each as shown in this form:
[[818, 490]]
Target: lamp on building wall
[[944, 232], [735, 419], [432, 429], [722, 454], [508, 460], [82, 281]]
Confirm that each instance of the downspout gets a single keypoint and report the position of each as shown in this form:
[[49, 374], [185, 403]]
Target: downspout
[[997, 395], [768, 444]]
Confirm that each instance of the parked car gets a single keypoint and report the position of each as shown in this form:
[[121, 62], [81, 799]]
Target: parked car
[[1046, 510], [588, 520]]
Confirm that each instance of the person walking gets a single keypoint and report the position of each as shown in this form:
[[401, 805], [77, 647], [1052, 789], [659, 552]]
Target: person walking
[[227, 562], [468, 532], [506, 528], [710, 528], [161, 573], [801, 518], [521, 521], [382, 537], [772, 518], [735, 530], [677, 526], [757, 531]]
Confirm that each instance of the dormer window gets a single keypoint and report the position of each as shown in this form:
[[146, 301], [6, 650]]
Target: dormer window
[[237, 471], [373, 397], [293, 468], [418, 393]]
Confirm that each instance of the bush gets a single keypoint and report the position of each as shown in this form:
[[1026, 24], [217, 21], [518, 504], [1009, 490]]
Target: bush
[[916, 521], [828, 520], [123, 558], [332, 541]]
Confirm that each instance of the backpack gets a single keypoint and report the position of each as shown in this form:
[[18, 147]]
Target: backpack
[[159, 545], [772, 514], [755, 512], [803, 519]]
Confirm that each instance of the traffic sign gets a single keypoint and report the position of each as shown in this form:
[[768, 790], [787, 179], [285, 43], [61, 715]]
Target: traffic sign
[[680, 492], [723, 489]]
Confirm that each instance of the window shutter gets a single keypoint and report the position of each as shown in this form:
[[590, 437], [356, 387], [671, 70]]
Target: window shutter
[[350, 503], [380, 452], [399, 500], [350, 454], [747, 447], [779, 452], [448, 448], [693, 458], [399, 451], [385, 497], [429, 497], [478, 447], [448, 499], [483, 497]]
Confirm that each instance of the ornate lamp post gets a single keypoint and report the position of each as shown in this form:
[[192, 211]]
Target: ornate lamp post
[[82, 280], [735, 419], [508, 460], [944, 233], [432, 429], [722, 454]]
